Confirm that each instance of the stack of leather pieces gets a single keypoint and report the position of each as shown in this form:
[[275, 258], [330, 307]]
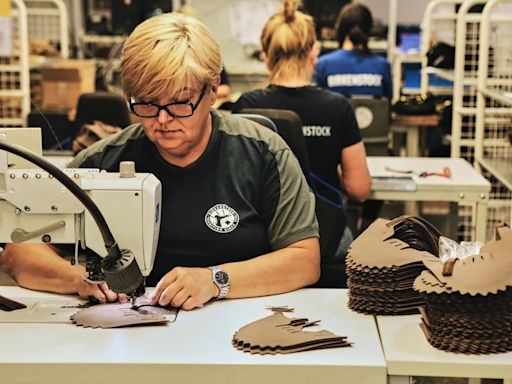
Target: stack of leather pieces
[[383, 262], [281, 334], [469, 302]]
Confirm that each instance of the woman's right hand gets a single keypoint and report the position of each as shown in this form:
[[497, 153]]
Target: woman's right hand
[[101, 292]]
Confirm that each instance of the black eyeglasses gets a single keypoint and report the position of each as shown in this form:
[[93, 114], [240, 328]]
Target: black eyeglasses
[[176, 109]]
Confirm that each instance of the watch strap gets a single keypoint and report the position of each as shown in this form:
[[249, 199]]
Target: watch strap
[[223, 286]]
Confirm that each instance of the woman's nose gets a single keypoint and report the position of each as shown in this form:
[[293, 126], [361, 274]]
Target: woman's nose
[[164, 116]]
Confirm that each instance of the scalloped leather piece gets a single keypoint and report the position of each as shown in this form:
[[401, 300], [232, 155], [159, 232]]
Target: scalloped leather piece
[[281, 334], [483, 274], [371, 249]]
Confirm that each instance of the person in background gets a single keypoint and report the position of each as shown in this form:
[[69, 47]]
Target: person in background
[[332, 137], [234, 199], [354, 69], [224, 89], [224, 86]]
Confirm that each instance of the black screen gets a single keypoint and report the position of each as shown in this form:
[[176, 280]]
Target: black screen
[[324, 12]]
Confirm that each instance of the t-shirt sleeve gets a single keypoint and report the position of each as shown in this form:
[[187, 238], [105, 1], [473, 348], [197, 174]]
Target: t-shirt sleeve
[[351, 133], [224, 77], [82, 160], [288, 203]]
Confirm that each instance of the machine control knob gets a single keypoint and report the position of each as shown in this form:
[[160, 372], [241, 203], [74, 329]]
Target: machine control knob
[[126, 169]]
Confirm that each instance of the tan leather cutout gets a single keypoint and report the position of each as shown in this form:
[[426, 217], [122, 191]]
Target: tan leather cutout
[[381, 268], [117, 315], [280, 334], [470, 309], [373, 250], [483, 274]]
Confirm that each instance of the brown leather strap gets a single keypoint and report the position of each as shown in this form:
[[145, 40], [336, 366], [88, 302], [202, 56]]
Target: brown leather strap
[[448, 267]]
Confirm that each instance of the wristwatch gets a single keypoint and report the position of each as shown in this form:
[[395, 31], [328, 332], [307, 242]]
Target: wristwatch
[[221, 280]]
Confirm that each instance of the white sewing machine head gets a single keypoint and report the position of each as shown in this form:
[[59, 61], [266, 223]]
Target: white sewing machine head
[[36, 207]]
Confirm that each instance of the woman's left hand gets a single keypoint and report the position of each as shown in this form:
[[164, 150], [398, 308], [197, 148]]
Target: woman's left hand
[[185, 288]]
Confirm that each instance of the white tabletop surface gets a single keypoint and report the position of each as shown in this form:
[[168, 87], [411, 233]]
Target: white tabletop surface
[[195, 349], [408, 353], [464, 176]]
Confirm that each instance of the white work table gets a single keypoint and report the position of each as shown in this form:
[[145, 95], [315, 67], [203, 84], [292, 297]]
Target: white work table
[[195, 349], [408, 353], [465, 186]]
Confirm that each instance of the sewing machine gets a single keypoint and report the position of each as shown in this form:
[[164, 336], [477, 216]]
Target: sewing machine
[[36, 207]]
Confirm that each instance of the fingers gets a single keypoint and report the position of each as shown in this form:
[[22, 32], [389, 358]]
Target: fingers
[[123, 299], [101, 292], [163, 284], [110, 295], [173, 295], [187, 288], [191, 303]]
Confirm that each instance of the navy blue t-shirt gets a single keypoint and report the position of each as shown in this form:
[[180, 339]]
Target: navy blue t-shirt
[[354, 73]]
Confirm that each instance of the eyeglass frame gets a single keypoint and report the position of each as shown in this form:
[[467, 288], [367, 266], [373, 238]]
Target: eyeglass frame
[[164, 107]]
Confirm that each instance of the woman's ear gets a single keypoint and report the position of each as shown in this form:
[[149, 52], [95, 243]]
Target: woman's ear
[[315, 50], [213, 93]]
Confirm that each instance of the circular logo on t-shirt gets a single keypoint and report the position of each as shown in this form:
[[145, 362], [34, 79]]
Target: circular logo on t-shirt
[[221, 218]]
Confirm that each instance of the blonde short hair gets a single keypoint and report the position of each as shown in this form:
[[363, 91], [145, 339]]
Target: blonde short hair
[[287, 38], [167, 53]]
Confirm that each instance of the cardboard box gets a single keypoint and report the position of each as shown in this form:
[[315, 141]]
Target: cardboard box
[[63, 81]]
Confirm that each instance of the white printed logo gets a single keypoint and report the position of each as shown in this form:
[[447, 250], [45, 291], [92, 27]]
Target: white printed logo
[[354, 80], [316, 130], [221, 218]]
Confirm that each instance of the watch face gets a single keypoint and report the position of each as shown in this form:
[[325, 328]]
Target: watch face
[[221, 277]]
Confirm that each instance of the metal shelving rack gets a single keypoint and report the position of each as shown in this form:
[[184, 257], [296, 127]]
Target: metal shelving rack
[[49, 19], [462, 29], [493, 151], [465, 25], [439, 24], [14, 73]]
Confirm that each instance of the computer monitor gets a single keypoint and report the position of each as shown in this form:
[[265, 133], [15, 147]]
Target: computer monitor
[[126, 15], [324, 12], [410, 41]]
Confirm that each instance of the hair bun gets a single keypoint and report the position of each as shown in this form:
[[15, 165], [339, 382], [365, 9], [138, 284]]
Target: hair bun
[[289, 8]]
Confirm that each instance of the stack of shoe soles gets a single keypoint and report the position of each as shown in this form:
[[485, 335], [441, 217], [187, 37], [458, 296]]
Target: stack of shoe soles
[[281, 334], [383, 262], [468, 302]]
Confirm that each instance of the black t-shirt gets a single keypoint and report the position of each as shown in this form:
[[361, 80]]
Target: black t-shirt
[[224, 78], [328, 120], [243, 197]]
